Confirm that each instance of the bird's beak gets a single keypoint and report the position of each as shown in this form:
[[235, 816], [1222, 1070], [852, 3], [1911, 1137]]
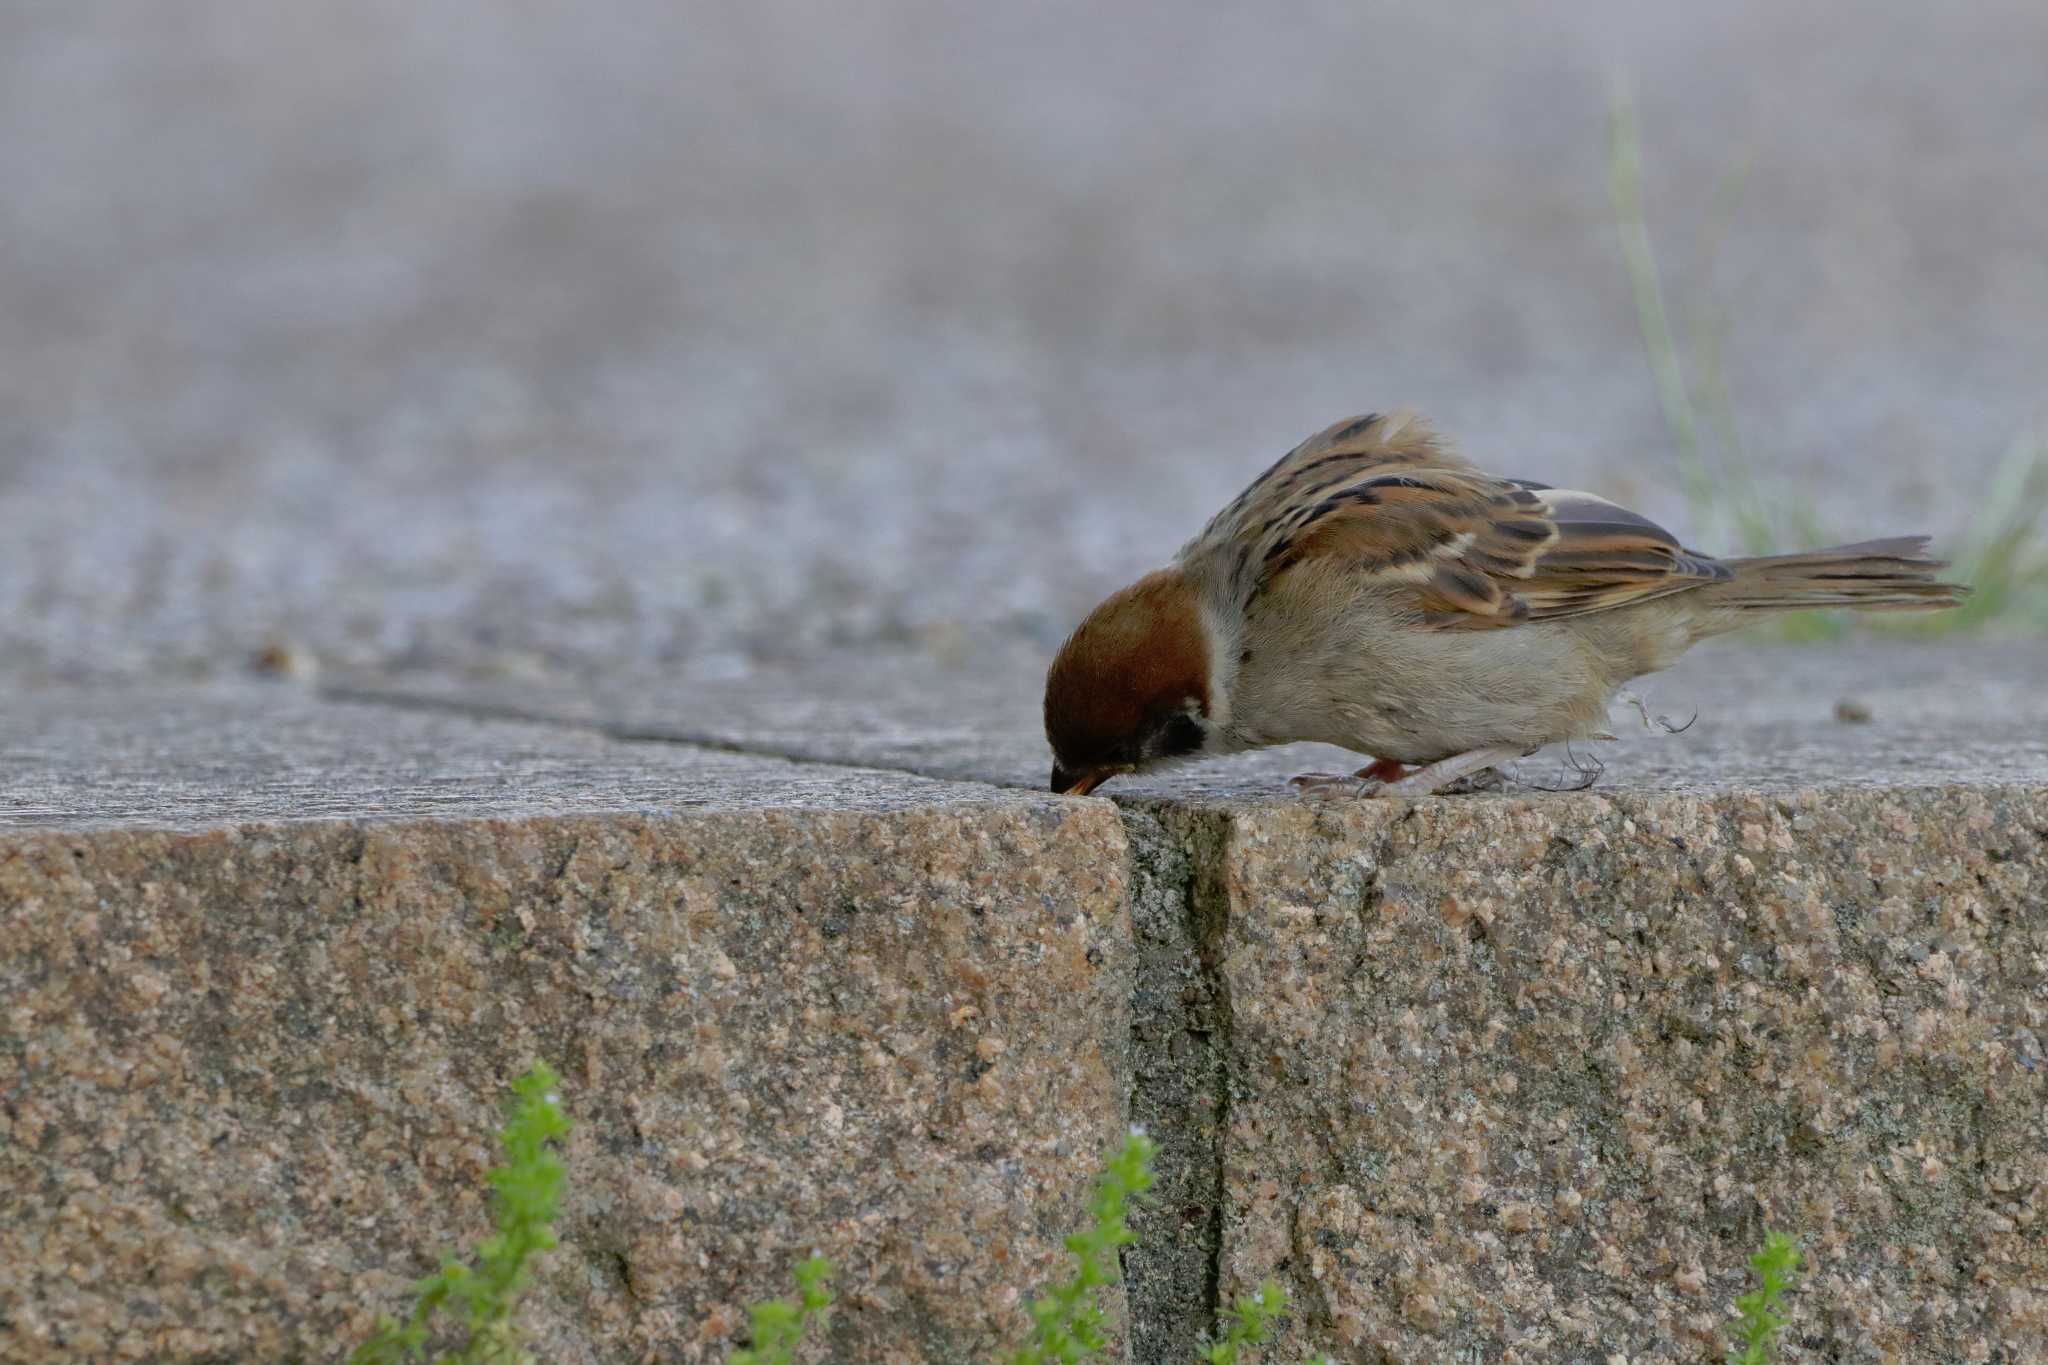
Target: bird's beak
[[1080, 784]]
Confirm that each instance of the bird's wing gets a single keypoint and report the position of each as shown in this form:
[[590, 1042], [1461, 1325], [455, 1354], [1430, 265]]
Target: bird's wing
[[1469, 550]]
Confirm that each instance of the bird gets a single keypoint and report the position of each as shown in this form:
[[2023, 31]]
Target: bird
[[1375, 590]]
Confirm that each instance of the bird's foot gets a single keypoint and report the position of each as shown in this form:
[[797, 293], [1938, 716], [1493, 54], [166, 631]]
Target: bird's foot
[[1364, 782], [1477, 770], [1485, 780], [1333, 786], [1663, 723], [1457, 775]]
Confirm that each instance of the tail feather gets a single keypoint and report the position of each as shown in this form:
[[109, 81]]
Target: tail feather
[[1895, 574]]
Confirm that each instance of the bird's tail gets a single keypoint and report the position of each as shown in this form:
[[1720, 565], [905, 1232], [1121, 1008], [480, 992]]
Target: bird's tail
[[1872, 575]]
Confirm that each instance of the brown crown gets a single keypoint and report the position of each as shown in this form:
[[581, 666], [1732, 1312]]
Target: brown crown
[[1141, 654]]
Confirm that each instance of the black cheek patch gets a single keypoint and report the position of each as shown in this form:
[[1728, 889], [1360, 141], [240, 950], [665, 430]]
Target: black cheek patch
[[1181, 736]]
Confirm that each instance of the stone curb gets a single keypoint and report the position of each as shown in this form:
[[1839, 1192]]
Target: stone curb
[[1516, 1079]]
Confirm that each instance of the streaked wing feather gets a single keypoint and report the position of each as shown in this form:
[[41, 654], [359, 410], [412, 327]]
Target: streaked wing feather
[[1329, 459], [1607, 556], [1476, 551]]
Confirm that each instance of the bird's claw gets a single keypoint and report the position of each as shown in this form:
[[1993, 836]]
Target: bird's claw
[[1661, 723], [1455, 777], [1333, 786], [1486, 780]]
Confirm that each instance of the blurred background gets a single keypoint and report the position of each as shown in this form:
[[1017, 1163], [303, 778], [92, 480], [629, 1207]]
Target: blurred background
[[531, 338]]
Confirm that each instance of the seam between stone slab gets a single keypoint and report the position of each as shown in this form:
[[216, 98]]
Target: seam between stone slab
[[1208, 909], [483, 710], [633, 734], [1180, 1031]]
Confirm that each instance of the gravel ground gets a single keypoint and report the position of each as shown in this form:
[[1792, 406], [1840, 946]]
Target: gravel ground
[[441, 334]]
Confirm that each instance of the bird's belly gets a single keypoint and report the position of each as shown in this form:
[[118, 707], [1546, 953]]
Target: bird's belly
[[1421, 696]]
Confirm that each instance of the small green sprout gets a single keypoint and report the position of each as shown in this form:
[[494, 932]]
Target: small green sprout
[[1760, 1320], [779, 1324], [529, 1186], [1066, 1324], [1249, 1320]]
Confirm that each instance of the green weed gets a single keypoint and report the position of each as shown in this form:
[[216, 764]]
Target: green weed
[[779, 1324], [2003, 554], [2002, 557], [529, 1186], [1066, 1324], [1249, 1321], [1760, 1320]]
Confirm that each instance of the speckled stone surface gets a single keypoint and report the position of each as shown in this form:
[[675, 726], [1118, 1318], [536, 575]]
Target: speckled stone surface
[[1516, 1078], [249, 1070], [1526, 1080], [186, 758], [1758, 715]]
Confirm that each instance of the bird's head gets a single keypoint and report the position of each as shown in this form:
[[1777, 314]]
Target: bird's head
[[1131, 687]]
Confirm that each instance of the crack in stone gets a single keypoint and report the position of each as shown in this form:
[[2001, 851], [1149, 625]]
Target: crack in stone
[[1181, 1019], [633, 734], [1208, 911], [1180, 1041]]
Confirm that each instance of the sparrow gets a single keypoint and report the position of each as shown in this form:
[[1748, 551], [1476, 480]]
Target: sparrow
[[1376, 591]]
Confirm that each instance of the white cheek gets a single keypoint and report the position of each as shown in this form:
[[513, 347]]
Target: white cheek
[[1223, 644]]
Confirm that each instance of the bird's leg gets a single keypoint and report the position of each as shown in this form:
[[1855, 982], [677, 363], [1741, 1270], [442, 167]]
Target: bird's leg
[[1370, 778], [1650, 722], [1485, 780], [1442, 773], [1330, 786], [1468, 772], [1642, 708]]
